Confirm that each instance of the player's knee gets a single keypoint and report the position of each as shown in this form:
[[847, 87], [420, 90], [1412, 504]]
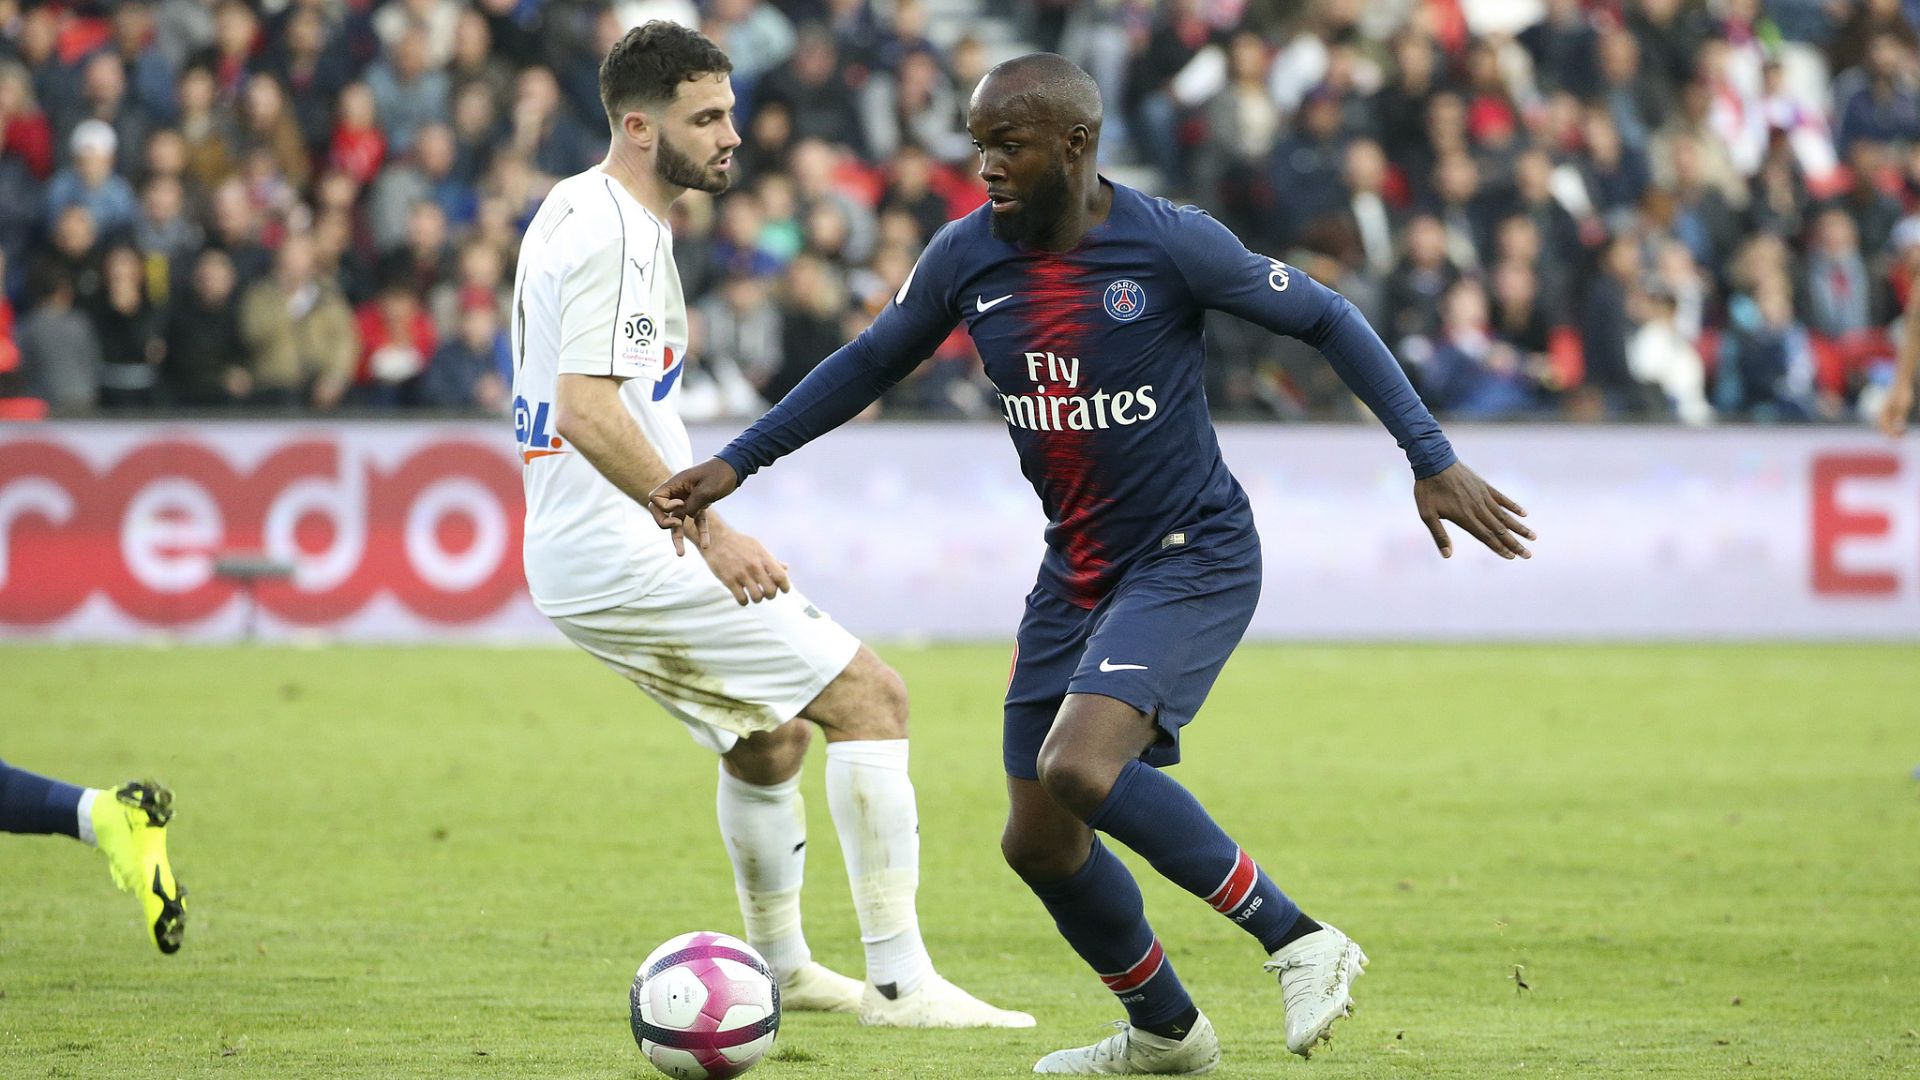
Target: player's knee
[[1078, 785], [887, 697], [771, 757], [1038, 858]]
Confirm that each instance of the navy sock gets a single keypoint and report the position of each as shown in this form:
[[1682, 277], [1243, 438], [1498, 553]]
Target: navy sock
[[1100, 913], [1150, 812], [31, 803]]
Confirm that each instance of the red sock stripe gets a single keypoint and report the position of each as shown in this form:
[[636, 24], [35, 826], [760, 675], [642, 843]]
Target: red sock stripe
[[1136, 976], [1233, 891]]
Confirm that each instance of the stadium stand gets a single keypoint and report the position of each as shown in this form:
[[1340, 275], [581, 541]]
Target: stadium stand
[[1624, 209]]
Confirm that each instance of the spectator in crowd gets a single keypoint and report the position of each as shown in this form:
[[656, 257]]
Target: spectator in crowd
[[1423, 276], [1839, 293], [913, 105], [75, 252], [1469, 373], [1701, 218], [766, 142], [1616, 174], [396, 340], [740, 346], [148, 70], [757, 36], [476, 129], [237, 225], [206, 363], [1564, 48], [474, 61], [103, 97], [1606, 322], [164, 233], [1523, 323], [130, 331], [300, 333], [26, 138], [313, 68], [467, 370], [544, 131], [812, 300], [268, 125], [1661, 355], [435, 21], [90, 181], [1766, 368], [206, 130], [59, 353], [910, 190], [407, 91], [236, 37], [812, 87], [1874, 210], [1304, 172], [1882, 100], [1243, 123]]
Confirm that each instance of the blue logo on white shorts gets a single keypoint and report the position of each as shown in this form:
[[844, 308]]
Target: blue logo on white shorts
[[1125, 300]]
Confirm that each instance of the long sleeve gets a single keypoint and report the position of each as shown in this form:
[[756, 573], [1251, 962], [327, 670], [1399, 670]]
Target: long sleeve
[[1224, 275], [908, 329]]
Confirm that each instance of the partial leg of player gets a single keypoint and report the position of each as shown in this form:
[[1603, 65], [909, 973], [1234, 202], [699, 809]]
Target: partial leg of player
[[127, 824], [1316, 984], [1131, 1051]]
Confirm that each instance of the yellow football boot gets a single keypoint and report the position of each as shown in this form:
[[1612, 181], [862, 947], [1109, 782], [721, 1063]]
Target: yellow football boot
[[130, 828]]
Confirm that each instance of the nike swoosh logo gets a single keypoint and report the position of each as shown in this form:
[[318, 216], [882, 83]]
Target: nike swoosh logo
[[1109, 665], [981, 303]]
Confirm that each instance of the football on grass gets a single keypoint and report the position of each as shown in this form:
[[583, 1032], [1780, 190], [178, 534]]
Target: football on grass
[[705, 1006]]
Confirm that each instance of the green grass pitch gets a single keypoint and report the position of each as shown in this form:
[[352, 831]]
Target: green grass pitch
[[1608, 861]]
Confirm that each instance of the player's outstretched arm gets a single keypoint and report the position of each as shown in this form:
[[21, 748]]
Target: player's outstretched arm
[[680, 503], [1457, 494]]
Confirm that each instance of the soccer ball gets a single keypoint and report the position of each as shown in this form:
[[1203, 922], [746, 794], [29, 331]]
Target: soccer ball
[[705, 1006]]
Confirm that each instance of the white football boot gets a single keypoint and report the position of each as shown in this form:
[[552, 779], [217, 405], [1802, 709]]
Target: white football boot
[[817, 988], [1131, 1052], [935, 1003], [1316, 984]]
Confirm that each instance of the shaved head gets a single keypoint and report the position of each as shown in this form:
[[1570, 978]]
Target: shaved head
[[1046, 89], [1035, 122]]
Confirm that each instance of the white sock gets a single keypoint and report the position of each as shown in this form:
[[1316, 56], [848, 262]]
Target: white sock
[[87, 835], [765, 829], [879, 826]]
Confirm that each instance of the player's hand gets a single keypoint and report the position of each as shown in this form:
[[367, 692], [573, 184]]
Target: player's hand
[[745, 567], [1460, 496], [1895, 410], [680, 504]]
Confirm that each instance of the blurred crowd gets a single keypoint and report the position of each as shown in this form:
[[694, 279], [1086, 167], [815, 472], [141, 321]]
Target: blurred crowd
[[1644, 209]]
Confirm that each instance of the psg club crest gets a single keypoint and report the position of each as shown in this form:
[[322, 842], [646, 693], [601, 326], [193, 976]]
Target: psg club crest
[[1125, 300]]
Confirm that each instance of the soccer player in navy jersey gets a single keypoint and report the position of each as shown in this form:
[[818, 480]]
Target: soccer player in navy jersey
[[1086, 299]]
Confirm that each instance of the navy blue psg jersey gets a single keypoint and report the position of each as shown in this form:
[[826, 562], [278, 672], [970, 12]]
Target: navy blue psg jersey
[[1096, 356]]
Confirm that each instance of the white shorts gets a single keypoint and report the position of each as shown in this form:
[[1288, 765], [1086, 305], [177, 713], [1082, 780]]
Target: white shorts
[[723, 670]]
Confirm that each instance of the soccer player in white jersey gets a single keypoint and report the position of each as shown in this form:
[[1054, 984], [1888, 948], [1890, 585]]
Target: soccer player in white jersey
[[722, 642]]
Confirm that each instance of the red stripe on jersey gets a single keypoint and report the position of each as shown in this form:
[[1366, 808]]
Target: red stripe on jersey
[[1061, 314], [1233, 891], [1136, 976]]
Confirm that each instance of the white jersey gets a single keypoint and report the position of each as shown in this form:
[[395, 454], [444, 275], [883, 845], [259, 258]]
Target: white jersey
[[596, 293]]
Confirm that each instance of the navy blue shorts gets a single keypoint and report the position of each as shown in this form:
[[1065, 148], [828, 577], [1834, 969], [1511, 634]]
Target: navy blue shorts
[[1156, 642]]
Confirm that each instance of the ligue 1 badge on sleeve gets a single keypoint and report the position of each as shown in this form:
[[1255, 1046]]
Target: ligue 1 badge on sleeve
[[640, 343], [1125, 300]]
